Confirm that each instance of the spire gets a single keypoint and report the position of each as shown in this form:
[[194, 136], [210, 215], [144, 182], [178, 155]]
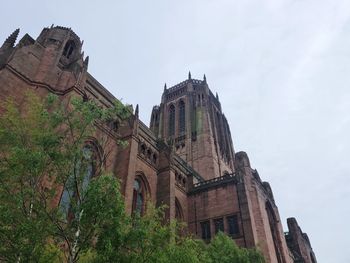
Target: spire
[[165, 87], [137, 111], [189, 75], [11, 40], [86, 61], [217, 96], [205, 79]]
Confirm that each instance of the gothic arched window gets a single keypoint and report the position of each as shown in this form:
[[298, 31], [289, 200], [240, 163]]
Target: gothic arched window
[[68, 48], [171, 120], [76, 185], [138, 197], [182, 117]]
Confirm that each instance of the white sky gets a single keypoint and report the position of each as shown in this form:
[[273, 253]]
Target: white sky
[[281, 68]]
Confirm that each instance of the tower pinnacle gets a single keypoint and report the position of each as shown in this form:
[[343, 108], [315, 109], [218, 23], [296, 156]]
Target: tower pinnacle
[[137, 110], [86, 61], [11, 40], [189, 75]]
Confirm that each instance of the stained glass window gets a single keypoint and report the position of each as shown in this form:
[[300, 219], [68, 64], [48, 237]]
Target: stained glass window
[[78, 177], [138, 200]]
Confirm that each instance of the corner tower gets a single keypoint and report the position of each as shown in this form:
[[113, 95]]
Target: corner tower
[[54, 60], [190, 120]]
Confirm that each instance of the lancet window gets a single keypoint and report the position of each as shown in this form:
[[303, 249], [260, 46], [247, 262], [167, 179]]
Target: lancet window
[[182, 117], [172, 120], [77, 183], [68, 49]]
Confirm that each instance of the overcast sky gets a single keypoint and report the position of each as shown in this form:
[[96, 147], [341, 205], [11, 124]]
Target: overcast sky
[[281, 69]]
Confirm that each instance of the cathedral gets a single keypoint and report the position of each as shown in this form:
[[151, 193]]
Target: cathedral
[[185, 159]]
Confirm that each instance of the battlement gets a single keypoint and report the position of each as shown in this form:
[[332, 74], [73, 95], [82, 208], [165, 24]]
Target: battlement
[[184, 84], [177, 86], [68, 29]]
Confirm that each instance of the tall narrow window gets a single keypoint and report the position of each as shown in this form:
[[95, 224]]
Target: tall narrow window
[[140, 191], [172, 120], [138, 197], [206, 234], [78, 181], [219, 225], [233, 228], [88, 167], [182, 117], [178, 211], [68, 49]]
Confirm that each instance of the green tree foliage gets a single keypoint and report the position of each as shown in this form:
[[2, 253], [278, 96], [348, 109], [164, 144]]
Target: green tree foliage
[[43, 154], [41, 149], [223, 249]]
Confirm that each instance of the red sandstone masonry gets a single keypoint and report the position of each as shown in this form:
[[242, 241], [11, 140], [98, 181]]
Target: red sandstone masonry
[[207, 146]]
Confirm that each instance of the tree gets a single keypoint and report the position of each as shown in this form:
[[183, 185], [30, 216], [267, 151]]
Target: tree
[[223, 249], [42, 148], [58, 204]]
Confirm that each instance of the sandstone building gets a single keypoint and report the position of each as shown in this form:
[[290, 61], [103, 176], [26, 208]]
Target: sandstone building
[[185, 159]]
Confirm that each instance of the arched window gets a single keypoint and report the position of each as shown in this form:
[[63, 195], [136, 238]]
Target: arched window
[[68, 48], [140, 190], [182, 117], [178, 211], [77, 183], [138, 197], [88, 166], [171, 120]]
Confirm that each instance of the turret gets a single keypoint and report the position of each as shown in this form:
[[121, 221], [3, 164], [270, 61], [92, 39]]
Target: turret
[[54, 59], [155, 120], [64, 42]]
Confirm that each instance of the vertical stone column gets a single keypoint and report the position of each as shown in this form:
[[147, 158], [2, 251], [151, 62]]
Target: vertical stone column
[[244, 199], [128, 180], [166, 192]]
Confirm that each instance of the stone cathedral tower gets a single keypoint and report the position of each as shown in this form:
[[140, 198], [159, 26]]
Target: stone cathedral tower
[[190, 119], [196, 173]]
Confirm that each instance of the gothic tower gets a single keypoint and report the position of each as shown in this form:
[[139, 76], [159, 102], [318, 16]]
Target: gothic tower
[[190, 119], [54, 60]]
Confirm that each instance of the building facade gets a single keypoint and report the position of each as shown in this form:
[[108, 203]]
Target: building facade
[[185, 159]]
